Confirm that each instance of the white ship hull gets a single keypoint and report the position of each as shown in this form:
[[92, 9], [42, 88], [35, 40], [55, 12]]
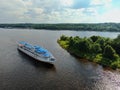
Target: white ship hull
[[49, 60]]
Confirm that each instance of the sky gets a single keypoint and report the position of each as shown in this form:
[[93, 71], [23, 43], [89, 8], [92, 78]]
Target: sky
[[59, 11]]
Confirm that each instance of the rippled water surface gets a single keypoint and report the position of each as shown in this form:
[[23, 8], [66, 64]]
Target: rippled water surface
[[20, 72]]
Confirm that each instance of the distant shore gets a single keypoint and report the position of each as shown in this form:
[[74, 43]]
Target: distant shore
[[112, 27]]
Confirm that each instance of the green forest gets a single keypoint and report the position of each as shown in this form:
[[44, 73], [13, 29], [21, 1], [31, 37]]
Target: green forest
[[78, 27], [101, 50]]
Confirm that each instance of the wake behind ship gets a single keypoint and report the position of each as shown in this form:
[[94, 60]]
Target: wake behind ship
[[37, 52]]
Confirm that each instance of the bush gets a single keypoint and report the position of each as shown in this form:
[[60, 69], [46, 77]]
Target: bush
[[95, 38], [96, 48], [109, 52], [63, 37]]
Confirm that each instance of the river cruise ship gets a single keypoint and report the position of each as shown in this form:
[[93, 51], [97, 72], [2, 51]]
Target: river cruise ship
[[37, 52]]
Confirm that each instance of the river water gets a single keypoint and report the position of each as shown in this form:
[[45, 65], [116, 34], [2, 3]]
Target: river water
[[20, 72]]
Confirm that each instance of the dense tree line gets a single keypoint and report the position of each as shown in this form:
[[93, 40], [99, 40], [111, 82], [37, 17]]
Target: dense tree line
[[104, 51], [90, 27]]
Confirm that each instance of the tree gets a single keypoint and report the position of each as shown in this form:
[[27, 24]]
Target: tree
[[63, 37], [84, 46], [94, 38], [109, 52], [116, 44], [96, 48]]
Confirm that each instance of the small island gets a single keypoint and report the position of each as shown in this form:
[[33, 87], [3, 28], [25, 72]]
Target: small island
[[101, 50]]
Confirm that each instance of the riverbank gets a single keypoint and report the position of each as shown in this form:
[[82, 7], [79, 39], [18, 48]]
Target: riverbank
[[113, 27], [104, 51]]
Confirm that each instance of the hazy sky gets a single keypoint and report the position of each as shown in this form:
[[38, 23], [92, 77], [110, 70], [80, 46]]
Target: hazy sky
[[59, 11]]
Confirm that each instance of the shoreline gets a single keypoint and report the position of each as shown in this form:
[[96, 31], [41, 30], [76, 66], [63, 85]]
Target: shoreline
[[60, 29], [111, 27]]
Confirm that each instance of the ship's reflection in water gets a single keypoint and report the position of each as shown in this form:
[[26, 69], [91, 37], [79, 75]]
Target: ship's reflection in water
[[36, 63]]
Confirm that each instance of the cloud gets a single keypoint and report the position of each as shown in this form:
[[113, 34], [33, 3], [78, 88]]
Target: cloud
[[73, 16], [90, 11], [57, 11], [11, 11], [81, 4], [100, 2], [34, 12], [67, 3], [112, 15]]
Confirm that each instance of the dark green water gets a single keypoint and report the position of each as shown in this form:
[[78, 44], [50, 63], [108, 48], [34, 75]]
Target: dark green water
[[20, 72]]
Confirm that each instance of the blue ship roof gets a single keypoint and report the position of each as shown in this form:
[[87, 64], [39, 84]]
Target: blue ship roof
[[37, 48], [26, 44]]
